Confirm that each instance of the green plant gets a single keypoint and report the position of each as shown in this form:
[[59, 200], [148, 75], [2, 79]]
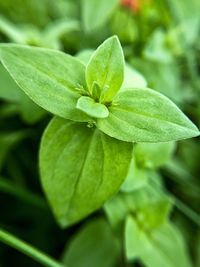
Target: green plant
[[86, 149], [109, 135]]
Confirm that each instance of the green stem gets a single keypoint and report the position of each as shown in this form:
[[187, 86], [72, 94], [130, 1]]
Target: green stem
[[28, 250], [28, 197], [187, 211], [192, 215]]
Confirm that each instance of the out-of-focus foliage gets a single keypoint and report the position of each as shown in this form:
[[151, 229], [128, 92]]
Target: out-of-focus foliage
[[154, 220]]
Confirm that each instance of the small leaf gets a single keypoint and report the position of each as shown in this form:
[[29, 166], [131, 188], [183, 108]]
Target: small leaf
[[94, 245], [134, 239], [80, 168], [132, 77], [152, 155], [143, 115], [96, 13], [91, 108], [136, 178], [48, 77], [106, 68]]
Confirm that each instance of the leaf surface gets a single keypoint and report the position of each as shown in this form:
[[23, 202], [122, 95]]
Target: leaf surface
[[90, 107], [163, 246], [48, 77], [106, 68], [80, 168], [143, 115]]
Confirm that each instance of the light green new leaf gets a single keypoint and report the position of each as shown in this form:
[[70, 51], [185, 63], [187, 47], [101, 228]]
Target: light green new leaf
[[143, 115], [94, 245], [48, 77], [96, 13], [91, 108], [132, 78], [106, 68], [80, 168], [164, 246]]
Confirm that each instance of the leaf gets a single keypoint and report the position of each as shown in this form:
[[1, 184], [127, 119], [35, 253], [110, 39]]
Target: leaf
[[94, 245], [149, 207], [60, 27], [136, 178], [29, 111], [152, 155], [116, 210], [106, 68], [80, 168], [133, 78], [48, 77], [165, 78], [91, 108], [143, 115], [134, 239], [96, 13], [155, 214], [9, 90], [159, 247], [156, 48]]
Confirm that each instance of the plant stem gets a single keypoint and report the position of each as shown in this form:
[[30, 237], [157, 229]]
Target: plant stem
[[14, 190], [28, 250], [192, 215]]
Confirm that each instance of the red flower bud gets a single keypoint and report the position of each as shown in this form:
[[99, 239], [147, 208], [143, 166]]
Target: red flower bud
[[134, 5]]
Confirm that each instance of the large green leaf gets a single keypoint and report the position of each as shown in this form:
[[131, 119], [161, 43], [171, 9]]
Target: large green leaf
[[164, 246], [94, 245], [96, 13], [106, 68], [143, 115], [80, 168], [48, 77]]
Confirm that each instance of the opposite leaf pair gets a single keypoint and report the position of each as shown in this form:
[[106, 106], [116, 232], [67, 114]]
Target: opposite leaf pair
[[62, 85], [82, 167]]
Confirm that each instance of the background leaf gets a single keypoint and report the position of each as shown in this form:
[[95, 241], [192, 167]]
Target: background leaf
[[152, 155], [94, 245], [96, 13], [157, 248]]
